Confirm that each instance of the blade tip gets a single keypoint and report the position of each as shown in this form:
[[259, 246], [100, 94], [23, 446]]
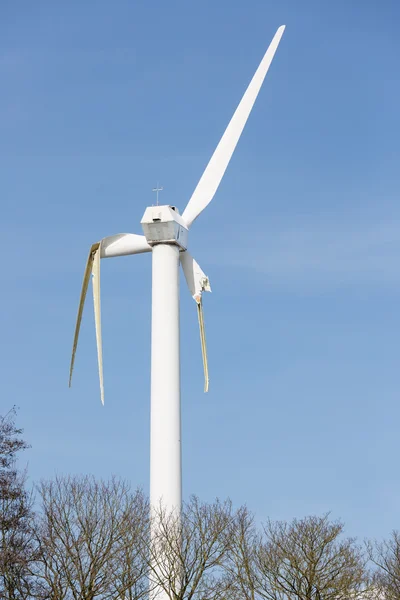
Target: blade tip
[[279, 33]]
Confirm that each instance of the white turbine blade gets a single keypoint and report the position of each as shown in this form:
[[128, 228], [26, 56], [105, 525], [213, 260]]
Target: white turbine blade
[[86, 277], [211, 178], [123, 244], [97, 317], [198, 283]]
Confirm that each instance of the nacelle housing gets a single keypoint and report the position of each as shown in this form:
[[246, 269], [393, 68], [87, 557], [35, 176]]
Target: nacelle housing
[[164, 225]]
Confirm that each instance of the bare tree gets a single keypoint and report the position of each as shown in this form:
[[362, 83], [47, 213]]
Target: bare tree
[[240, 561], [16, 534], [303, 560], [386, 557], [89, 534], [185, 555], [129, 573]]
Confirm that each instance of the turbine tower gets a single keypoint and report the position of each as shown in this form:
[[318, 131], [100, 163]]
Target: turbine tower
[[166, 237]]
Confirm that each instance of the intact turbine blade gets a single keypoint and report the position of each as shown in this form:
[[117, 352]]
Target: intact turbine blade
[[198, 283], [97, 317], [86, 277], [211, 178]]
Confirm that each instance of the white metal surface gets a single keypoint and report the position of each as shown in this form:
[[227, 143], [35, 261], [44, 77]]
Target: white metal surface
[[164, 224], [165, 439], [211, 178]]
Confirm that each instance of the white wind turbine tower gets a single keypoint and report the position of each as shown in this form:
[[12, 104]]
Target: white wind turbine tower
[[166, 237]]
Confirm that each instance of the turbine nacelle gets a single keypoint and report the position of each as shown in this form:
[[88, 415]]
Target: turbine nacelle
[[164, 225]]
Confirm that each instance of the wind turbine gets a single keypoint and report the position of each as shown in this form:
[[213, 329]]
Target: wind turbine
[[166, 237]]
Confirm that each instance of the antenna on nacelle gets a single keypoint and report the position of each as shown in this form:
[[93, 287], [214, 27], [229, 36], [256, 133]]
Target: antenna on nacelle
[[157, 189]]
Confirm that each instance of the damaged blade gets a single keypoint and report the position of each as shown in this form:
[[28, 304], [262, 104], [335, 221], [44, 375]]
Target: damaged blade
[[123, 244], [200, 315], [196, 279], [198, 283], [115, 245], [97, 317], [86, 277]]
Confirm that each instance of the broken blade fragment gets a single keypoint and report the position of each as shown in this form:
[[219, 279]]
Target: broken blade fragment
[[86, 277], [200, 315], [97, 317], [198, 283]]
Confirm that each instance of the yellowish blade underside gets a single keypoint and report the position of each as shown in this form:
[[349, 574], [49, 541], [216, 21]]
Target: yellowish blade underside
[[97, 318], [86, 278], [203, 344]]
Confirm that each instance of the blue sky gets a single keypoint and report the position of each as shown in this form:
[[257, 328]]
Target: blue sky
[[99, 101]]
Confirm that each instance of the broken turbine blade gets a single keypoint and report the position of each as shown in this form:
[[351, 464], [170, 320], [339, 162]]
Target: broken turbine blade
[[92, 268], [86, 277], [200, 316], [196, 279], [115, 245], [198, 283], [123, 244], [97, 317], [211, 178]]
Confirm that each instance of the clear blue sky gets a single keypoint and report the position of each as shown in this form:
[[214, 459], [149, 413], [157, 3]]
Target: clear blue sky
[[98, 101]]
